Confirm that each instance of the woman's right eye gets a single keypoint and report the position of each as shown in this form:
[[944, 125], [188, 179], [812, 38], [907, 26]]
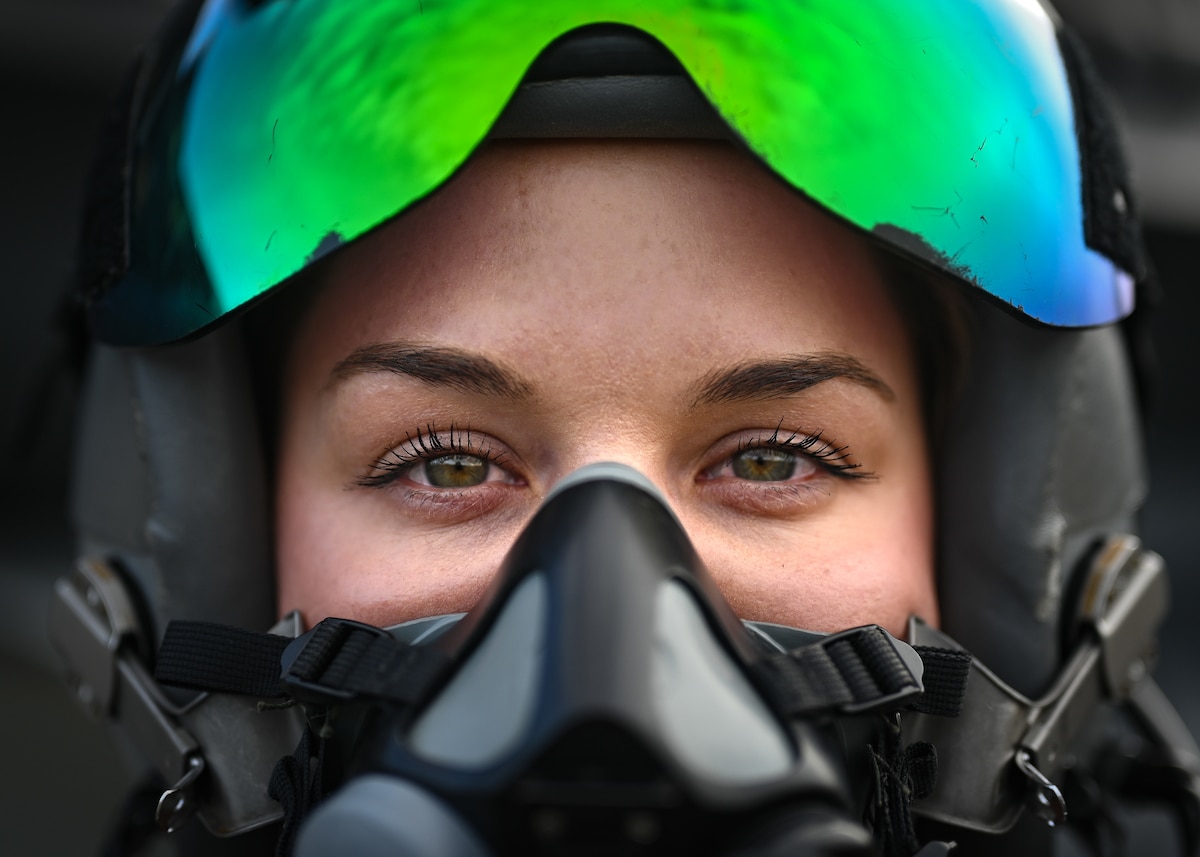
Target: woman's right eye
[[452, 460], [457, 470], [764, 464]]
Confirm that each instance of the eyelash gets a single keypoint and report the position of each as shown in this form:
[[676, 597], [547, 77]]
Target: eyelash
[[430, 444], [425, 446], [830, 457]]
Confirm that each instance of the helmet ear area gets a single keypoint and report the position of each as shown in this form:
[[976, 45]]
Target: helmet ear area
[[1043, 459], [171, 480]]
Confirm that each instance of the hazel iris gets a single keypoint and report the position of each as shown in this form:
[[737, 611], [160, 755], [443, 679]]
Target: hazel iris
[[456, 471], [764, 465]]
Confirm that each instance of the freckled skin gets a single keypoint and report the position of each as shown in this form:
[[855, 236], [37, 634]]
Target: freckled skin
[[613, 277]]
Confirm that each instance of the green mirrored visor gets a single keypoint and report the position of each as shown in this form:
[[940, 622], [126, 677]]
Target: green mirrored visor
[[946, 128]]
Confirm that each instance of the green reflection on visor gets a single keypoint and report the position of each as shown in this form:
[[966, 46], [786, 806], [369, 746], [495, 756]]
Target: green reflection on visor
[[945, 127]]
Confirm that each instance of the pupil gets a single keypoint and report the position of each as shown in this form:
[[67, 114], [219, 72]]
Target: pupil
[[456, 471], [764, 465]]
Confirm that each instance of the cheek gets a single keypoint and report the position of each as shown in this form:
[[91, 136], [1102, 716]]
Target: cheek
[[868, 560], [341, 553]]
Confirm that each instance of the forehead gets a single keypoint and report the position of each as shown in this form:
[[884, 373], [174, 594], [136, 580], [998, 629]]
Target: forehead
[[685, 251]]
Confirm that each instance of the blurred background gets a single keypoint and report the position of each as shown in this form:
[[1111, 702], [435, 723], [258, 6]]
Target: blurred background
[[59, 62]]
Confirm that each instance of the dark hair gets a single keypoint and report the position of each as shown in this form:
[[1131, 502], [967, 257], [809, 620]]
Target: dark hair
[[935, 311]]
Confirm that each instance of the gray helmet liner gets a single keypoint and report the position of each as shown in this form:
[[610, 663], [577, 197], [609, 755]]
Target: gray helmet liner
[[170, 480]]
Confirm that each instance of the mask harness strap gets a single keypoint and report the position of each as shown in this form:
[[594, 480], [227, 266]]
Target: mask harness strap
[[902, 774], [1005, 748], [337, 661], [296, 783], [98, 632], [857, 672], [863, 672]]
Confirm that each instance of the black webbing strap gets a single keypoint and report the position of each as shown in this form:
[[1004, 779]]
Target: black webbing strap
[[945, 680], [296, 785], [338, 660], [208, 656], [346, 660], [855, 671], [862, 670], [902, 774]]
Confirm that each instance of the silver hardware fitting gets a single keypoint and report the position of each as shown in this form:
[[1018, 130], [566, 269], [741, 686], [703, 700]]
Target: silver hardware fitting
[[1125, 599], [177, 804]]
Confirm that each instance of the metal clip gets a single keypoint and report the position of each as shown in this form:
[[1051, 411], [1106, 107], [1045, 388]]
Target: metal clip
[[1046, 798], [177, 804]]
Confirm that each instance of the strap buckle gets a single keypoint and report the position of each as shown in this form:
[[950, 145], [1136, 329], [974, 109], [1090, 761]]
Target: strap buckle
[[306, 660], [857, 671]]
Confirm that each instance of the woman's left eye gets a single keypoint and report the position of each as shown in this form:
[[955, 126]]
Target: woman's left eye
[[765, 464]]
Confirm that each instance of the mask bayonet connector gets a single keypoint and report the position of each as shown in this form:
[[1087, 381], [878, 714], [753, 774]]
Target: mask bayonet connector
[[91, 618], [94, 626], [1125, 599], [215, 749], [1124, 602]]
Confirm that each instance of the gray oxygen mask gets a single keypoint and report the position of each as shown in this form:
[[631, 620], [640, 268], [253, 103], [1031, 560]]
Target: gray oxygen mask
[[601, 699]]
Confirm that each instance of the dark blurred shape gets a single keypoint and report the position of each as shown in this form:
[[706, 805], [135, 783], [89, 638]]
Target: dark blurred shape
[[1149, 54]]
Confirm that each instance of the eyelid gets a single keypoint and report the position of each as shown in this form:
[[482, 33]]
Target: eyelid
[[831, 457], [429, 444]]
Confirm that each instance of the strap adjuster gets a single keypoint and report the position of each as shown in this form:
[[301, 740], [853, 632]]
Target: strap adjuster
[[309, 659], [337, 661], [852, 672]]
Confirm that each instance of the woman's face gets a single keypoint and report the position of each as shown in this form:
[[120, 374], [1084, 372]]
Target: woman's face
[[666, 305]]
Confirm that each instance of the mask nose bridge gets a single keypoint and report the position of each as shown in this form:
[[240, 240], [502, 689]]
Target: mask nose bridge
[[621, 469], [611, 471], [605, 560]]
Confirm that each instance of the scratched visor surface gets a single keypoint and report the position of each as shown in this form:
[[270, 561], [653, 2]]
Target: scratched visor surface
[[946, 128]]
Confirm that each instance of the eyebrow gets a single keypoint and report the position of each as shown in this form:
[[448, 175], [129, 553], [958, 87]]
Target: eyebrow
[[436, 366], [768, 379]]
